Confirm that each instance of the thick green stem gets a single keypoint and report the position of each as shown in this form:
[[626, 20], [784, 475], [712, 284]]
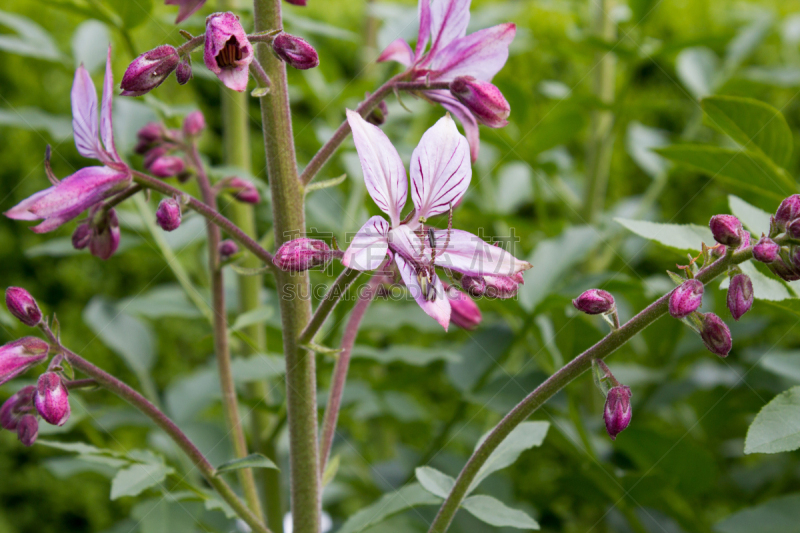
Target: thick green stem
[[568, 373], [294, 291]]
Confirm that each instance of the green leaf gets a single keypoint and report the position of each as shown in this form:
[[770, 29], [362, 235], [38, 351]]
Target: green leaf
[[319, 185], [410, 496], [753, 218], [640, 141], [783, 364], [331, 467], [31, 39], [523, 437], [254, 460], [697, 68], [776, 428], [683, 237], [410, 355], [752, 124], [741, 169], [435, 482], [90, 44], [137, 478], [779, 515], [78, 447], [259, 315], [164, 300], [34, 119], [132, 13], [496, 513]]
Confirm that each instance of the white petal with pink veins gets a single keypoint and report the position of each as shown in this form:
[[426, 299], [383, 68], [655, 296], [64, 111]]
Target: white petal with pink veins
[[398, 50], [369, 246], [84, 114], [106, 126], [439, 308], [469, 254], [449, 21], [463, 115], [481, 54]]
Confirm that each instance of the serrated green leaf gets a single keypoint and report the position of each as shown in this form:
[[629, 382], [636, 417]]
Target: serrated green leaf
[[753, 218], [776, 428], [523, 437], [496, 513], [137, 478], [435, 482], [78, 447], [254, 460], [779, 515], [259, 315], [410, 496], [683, 237]]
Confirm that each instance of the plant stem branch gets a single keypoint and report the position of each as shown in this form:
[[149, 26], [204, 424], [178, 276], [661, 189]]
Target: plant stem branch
[[422, 85], [326, 306], [606, 346]]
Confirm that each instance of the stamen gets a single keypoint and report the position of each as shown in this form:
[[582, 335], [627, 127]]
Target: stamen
[[230, 54]]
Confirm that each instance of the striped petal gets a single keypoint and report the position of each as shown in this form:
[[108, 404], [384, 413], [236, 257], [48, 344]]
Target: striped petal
[[106, 126], [481, 54], [464, 115], [369, 245], [471, 255], [84, 114], [438, 308], [449, 21], [399, 51]]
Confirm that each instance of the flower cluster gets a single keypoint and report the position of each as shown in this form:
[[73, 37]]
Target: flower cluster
[[164, 149]]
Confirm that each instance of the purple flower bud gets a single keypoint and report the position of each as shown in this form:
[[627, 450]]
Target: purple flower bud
[[301, 254], [297, 2], [297, 52], [194, 124], [464, 312], [594, 302], [483, 99], [726, 229], [52, 399], [21, 304], [686, 299], [716, 335], [104, 239], [28, 429], [167, 166], [378, 115], [18, 356], [168, 214], [82, 235], [787, 211], [243, 190], [17, 405], [227, 248], [740, 295], [617, 412], [500, 287], [149, 70], [786, 272], [184, 71], [766, 250], [228, 53], [153, 154], [150, 134], [793, 229]]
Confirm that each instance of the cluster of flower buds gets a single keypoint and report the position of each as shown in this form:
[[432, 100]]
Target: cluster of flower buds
[[483, 99], [464, 312], [99, 232], [780, 250], [242, 190], [489, 286], [162, 148], [299, 255]]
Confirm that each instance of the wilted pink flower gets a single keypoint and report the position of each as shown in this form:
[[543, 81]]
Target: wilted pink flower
[[716, 335], [686, 299], [297, 52], [149, 70], [452, 54], [18, 356], [21, 304], [183, 73], [483, 99], [243, 190], [726, 229], [617, 412], [168, 214], [28, 429], [301, 254], [594, 302], [489, 286], [52, 399], [167, 166], [227, 248], [74, 194], [787, 211], [185, 8], [16, 406], [440, 175], [194, 124], [740, 295], [100, 232], [228, 53], [766, 250], [464, 312]]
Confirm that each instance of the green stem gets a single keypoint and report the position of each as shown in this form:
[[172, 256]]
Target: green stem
[[568, 373], [293, 287]]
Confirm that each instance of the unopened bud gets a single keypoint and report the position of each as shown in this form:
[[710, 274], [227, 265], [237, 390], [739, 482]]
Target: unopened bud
[[183, 72], [21, 304], [227, 248], [301, 254], [484, 100], [28, 429], [149, 70], [378, 115], [297, 2], [295, 51], [766, 250], [783, 270], [787, 211], [52, 399], [82, 235], [793, 229], [740, 295], [686, 299], [464, 312], [167, 166], [716, 335], [617, 412], [500, 287], [243, 190], [726, 229], [105, 235], [18, 356], [20, 403], [594, 302], [168, 214], [148, 135], [194, 124]]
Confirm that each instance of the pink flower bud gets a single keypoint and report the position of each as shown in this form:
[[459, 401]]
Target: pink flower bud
[[786, 272], [153, 154], [18, 356], [227, 248], [17, 405], [301, 254], [149, 135], [297, 52], [28, 429], [82, 235], [500, 287], [740, 295], [686, 299], [716, 335], [297, 2], [194, 124], [793, 229], [594, 302], [21, 304], [52, 399], [766, 250], [167, 166], [104, 237], [184, 71], [243, 190], [149, 70], [228, 53], [168, 214], [726, 229], [787, 211], [617, 412], [483, 99], [464, 312]]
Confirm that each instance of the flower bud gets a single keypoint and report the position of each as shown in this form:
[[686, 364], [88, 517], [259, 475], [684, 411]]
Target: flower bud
[[787, 211], [168, 214], [28, 429], [149, 70], [686, 299], [18, 356], [104, 238], [464, 312], [297, 2], [378, 115], [793, 229], [766, 250], [594, 302], [82, 235], [184, 71], [483, 99], [18, 404], [228, 53], [716, 335], [740, 295], [726, 229], [617, 412], [52, 399], [227, 248], [148, 135], [194, 124], [500, 287], [301, 254], [21, 304], [786, 272], [243, 190], [153, 154], [297, 52], [167, 166]]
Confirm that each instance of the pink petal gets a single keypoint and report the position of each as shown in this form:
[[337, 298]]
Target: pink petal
[[481, 54], [22, 211], [464, 115], [384, 173], [449, 21], [399, 51], [106, 126], [408, 244], [187, 8], [440, 169], [424, 10], [438, 309], [369, 246], [235, 78], [469, 254], [84, 114]]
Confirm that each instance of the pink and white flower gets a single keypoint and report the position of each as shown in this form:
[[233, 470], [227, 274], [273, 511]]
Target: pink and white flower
[[440, 175]]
